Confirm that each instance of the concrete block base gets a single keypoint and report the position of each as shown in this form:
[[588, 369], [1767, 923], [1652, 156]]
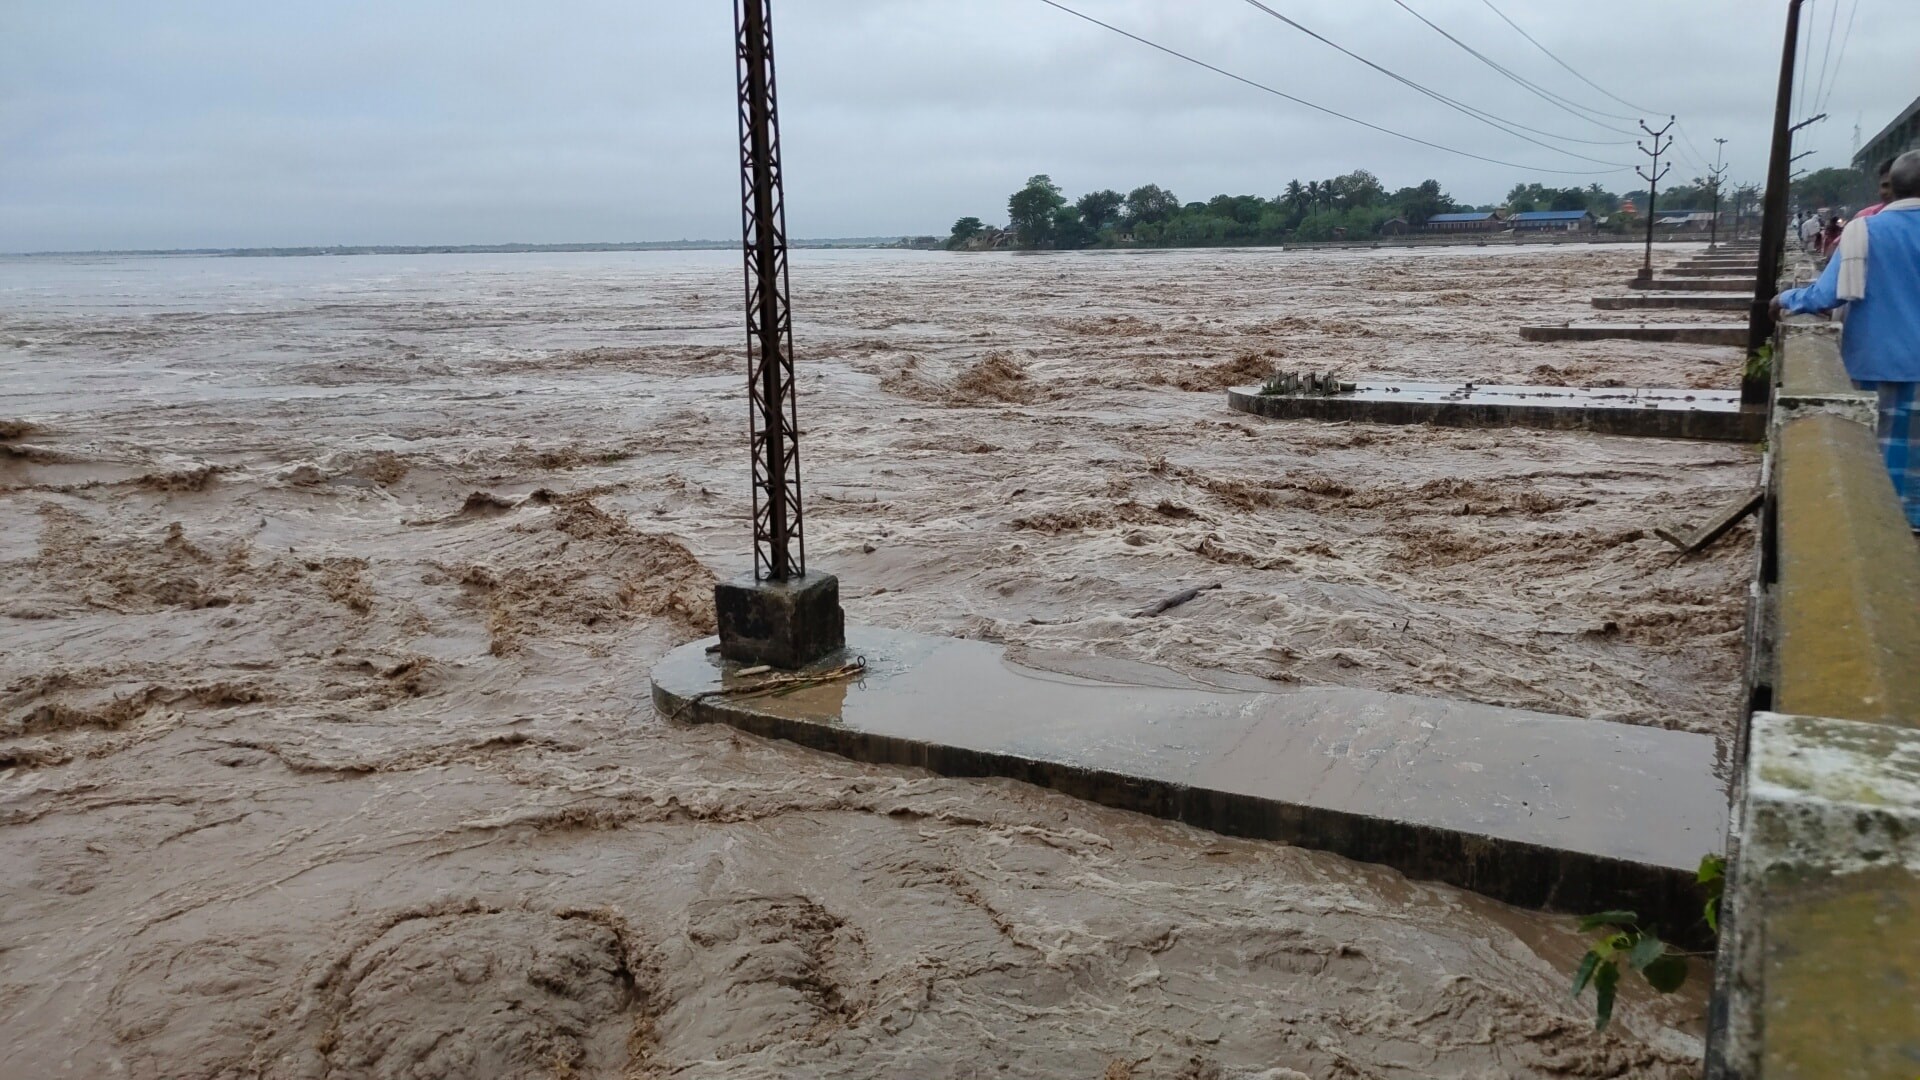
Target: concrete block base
[[787, 624], [1543, 811]]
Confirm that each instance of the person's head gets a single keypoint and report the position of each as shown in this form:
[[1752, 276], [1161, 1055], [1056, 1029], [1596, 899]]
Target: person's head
[[1886, 181], [1905, 175]]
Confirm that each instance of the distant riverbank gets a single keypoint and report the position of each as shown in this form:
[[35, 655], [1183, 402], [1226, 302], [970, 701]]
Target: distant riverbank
[[921, 242]]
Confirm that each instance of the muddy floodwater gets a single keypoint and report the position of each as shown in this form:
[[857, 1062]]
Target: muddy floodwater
[[329, 588]]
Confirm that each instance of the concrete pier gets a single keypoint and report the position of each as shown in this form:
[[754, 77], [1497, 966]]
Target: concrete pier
[[1710, 270], [1660, 414], [1680, 333], [1715, 284], [1672, 301], [1543, 811]]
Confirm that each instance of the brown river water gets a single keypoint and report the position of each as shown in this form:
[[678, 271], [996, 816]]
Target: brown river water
[[329, 588]]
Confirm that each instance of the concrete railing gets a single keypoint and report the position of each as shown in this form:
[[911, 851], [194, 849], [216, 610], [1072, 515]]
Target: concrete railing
[[1819, 964]]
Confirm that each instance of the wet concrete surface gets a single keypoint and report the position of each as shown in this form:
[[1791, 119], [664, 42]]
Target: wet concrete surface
[[1537, 810], [1648, 413]]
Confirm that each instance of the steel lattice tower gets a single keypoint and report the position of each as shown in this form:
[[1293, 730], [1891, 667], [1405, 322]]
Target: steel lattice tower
[[779, 545]]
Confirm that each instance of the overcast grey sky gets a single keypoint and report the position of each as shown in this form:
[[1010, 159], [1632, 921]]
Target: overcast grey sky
[[175, 123]]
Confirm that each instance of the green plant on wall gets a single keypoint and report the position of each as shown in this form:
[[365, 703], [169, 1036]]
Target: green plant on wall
[[1623, 941]]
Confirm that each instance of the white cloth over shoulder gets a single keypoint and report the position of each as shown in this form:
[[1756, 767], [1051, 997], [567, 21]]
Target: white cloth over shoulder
[[1852, 253]]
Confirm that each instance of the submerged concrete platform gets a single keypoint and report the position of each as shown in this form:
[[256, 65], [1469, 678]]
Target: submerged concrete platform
[[1682, 333], [1714, 284], [1712, 270], [1672, 301], [1537, 810], [1660, 414]]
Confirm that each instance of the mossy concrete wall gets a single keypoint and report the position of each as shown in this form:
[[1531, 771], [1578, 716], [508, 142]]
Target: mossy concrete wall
[[1824, 945], [1819, 972]]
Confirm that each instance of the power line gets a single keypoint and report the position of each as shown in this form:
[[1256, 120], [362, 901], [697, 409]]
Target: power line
[[1699, 159], [1806, 56], [1566, 104], [1563, 63], [1840, 62], [1319, 108], [1481, 115], [1833, 23]]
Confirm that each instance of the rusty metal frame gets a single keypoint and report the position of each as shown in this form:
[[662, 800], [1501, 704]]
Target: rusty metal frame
[[779, 543]]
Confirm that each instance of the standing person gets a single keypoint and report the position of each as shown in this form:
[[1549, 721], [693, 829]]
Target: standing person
[[1886, 192], [1830, 236], [1809, 229], [1876, 273]]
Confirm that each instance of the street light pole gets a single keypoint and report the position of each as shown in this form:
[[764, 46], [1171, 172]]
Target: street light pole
[[1719, 170], [1653, 184], [1755, 390]]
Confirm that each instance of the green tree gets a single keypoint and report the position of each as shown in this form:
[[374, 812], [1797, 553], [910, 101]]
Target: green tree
[[1296, 198], [1358, 188], [1099, 209], [1030, 211], [1150, 204], [1832, 187], [1525, 198], [1419, 204], [1069, 231], [964, 230], [1697, 195], [1568, 199]]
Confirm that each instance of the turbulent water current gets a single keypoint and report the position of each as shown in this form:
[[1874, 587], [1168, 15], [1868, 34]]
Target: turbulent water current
[[329, 588]]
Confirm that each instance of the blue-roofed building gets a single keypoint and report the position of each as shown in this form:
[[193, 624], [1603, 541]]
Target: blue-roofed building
[[1471, 222], [1559, 220]]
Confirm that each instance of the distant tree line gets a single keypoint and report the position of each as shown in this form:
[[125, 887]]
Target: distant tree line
[[1356, 205], [1848, 188]]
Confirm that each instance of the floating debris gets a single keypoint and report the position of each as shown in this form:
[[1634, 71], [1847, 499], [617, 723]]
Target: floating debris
[[1310, 384]]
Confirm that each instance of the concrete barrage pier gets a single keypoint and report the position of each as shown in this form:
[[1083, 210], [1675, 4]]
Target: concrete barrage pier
[[1543, 811], [1711, 284], [1678, 333], [1661, 414], [1673, 301]]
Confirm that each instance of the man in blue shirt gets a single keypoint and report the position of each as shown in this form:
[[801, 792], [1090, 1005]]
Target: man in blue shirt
[[1876, 272]]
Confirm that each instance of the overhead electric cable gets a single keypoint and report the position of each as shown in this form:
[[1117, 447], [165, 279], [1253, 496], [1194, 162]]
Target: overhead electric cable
[[1584, 112], [1806, 59], [1320, 108], [1826, 54], [1563, 63], [1699, 159], [1840, 62], [1496, 122]]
